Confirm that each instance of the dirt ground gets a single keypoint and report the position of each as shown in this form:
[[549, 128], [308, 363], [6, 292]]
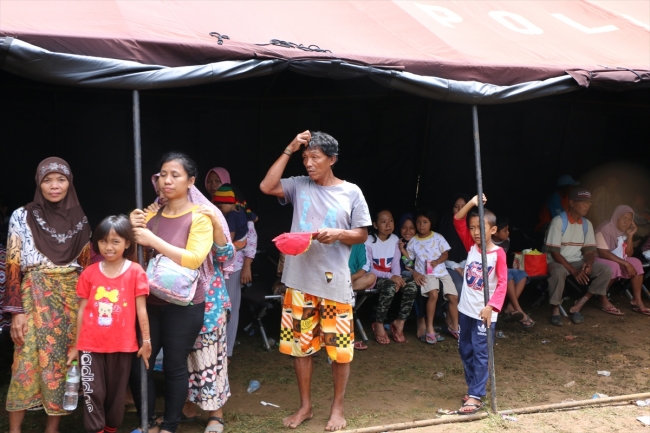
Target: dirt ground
[[398, 383]]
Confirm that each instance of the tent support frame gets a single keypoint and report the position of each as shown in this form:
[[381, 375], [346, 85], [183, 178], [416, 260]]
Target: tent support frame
[[137, 157], [486, 288]]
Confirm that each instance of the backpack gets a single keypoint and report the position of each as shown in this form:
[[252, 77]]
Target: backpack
[[565, 224]]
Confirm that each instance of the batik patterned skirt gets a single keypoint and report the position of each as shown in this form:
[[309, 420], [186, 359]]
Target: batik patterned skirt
[[38, 372], [208, 367]]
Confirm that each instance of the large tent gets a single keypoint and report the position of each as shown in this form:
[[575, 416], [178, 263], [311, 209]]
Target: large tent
[[391, 79]]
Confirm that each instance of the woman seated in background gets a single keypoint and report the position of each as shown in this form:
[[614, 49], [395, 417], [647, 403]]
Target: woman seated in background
[[614, 240]]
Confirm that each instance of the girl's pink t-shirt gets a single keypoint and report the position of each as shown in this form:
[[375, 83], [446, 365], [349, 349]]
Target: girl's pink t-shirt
[[109, 317]]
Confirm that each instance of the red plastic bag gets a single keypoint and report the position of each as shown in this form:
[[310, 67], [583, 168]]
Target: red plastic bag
[[294, 244], [535, 264]]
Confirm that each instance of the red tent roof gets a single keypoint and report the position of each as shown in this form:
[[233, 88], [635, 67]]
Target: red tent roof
[[498, 42]]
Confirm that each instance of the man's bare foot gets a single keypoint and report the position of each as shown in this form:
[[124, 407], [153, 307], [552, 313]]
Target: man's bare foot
[[579, 304], [302, 415], [336, 422]]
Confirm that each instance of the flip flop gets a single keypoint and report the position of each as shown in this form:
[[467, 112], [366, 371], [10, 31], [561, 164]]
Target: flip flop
[[641, 310], [384, 338], [431, 338], [476, 407], [527, 323], [397, 336], [577, 318], [613, 311], [513, 317], [423, 338], [360, 345]]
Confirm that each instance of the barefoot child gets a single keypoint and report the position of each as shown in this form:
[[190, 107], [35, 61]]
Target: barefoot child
[[111, 293], [429, 250], [474, 314]]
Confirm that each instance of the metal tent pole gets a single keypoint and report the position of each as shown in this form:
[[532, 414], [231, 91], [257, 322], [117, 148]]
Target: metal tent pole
[[486, 288], [137, 156]]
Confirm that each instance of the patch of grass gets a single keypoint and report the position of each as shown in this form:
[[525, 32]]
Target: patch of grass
[[255, 423]]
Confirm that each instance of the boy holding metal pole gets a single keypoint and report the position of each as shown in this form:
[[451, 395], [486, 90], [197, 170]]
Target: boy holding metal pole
[[475, 317]]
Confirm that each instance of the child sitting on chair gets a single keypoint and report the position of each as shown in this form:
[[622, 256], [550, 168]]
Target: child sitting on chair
[[429, 250], [517, 279]]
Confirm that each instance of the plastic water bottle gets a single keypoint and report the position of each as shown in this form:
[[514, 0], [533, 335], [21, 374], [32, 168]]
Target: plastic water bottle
[[158, 366], [71, 396], [253, 386]]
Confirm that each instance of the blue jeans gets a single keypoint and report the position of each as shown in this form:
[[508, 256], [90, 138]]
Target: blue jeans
[[473, 350]]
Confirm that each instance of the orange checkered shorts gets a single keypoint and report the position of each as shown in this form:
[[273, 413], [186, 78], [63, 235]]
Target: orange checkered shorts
[[310, 322]]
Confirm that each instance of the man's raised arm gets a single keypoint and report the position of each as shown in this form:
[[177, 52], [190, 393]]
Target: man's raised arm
[[271, 183]]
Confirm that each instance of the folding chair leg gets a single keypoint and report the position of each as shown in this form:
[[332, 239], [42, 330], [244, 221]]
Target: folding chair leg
[[562, 312], [628, 294], [263, 332], [360, 330]]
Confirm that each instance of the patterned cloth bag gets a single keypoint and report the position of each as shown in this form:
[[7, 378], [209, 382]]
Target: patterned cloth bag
[[168, 280]]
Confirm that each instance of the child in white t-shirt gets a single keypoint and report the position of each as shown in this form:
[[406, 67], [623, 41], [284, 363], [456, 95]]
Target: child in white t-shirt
[[429, 250], [477, 318]]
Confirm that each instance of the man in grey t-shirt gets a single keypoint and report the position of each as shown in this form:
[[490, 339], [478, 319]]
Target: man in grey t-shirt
[[317, 307]]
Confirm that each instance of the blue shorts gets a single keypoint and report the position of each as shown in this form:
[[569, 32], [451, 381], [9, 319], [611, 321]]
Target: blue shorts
[[517, 275]]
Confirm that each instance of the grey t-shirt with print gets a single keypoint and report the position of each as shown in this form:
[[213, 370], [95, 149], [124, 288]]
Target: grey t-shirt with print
[[323, 270]]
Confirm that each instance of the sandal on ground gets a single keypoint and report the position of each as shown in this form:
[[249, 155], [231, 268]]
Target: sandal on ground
[[577, 318], [455, 334], [528, 322], [557, 320], [613, 311], [360, 345], [431, 338], [641, 310], [215, 428], [515, 316], [381, 339], [476, 407], [397, 336], [423, 338]]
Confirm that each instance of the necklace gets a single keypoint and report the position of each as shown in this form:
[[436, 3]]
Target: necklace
[[119, 271]]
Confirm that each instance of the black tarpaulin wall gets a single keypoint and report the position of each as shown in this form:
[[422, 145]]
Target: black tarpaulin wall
[[388, 139]]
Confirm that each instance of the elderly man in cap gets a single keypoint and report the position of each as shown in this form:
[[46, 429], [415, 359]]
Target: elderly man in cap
[[317, 310], [571, 249]]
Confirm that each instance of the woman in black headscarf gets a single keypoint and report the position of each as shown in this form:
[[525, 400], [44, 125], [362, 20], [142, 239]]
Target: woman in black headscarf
[[48, 245]]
